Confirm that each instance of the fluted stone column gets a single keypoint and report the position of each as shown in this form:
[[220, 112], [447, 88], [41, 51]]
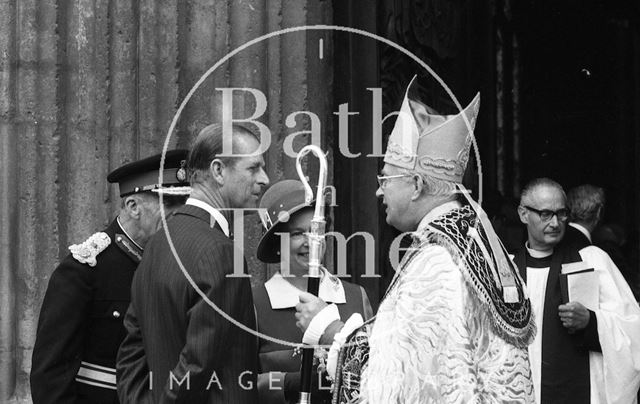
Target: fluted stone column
[[86, 86]]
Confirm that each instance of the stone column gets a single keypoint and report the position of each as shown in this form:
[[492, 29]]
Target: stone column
[[86, 86]]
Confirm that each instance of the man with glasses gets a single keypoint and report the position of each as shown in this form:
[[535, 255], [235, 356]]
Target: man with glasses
[[587, 349], [455, 323]]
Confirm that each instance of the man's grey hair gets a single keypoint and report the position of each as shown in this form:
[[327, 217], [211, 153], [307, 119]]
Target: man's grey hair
[[146, 196], [584, 202], [527, 192], [435, 186], [439, 187], [169, 201]]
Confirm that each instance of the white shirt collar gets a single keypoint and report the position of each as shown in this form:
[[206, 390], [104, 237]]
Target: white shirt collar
[[537, 253], [127, 234], [581, 229], [437, 212], [283, 295], [215, 213]]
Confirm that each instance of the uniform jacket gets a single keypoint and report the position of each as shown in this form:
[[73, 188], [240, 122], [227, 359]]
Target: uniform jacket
[[178, 347], [80, 326]]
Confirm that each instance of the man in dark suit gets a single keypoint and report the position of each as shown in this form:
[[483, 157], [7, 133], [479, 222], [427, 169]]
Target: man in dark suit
[[187, 344], [80, 326], [586, 203]]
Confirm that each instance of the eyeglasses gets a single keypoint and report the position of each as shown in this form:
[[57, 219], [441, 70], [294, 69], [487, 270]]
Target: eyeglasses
[[546, 214], [382, 179]]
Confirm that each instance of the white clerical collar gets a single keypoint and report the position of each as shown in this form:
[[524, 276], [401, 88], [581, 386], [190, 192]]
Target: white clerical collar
[[538, 253], [283, 295], [215, 213], [127, 234], [437, 212], [581, 229]]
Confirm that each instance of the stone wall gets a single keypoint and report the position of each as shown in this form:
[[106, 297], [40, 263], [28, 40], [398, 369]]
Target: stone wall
[[86, 86]]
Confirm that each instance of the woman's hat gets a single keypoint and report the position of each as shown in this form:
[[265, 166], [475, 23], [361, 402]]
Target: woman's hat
[[278, 204]]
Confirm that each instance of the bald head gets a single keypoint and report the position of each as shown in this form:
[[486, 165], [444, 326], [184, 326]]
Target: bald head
[[537, 186]]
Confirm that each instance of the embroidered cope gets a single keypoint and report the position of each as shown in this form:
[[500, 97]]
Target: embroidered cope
[[438, 336]]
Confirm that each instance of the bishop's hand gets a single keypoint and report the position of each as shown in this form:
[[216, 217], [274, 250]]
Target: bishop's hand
[[307, 309]]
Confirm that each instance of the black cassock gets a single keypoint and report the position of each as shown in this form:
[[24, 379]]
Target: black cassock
[[565, 356]]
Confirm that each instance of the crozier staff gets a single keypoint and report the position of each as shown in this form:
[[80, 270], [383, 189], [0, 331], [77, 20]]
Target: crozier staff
[[287, 218]]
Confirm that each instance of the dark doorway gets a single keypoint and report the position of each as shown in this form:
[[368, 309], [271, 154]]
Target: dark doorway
[[560, 88], [580, 98]]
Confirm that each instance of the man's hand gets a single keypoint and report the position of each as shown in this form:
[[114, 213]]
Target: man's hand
[[574, 316], [307, 309]]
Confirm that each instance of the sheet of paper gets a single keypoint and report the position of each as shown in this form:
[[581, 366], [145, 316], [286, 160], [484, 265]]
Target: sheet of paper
[[583, 288]]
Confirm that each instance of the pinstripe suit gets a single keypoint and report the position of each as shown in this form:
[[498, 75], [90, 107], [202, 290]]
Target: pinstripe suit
[[174, 334]]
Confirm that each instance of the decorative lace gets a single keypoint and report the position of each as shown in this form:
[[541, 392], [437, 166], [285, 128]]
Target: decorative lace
[[512, 321]]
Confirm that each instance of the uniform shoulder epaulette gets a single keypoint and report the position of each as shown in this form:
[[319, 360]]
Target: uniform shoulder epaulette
[[87, 252]]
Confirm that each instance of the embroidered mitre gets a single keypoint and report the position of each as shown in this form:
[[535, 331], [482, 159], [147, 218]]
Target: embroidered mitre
[[437, 145]]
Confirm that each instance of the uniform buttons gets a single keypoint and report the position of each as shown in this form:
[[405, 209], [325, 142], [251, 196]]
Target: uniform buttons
[[116, 314]]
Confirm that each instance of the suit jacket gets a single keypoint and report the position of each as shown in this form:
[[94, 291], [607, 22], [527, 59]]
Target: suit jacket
[[574, 239], [80, 326], [178, 347]]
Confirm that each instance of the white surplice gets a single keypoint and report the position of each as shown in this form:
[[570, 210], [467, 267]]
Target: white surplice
[[614, 373]]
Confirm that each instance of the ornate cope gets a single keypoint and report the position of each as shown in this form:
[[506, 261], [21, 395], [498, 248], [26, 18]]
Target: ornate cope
[[509, 326]]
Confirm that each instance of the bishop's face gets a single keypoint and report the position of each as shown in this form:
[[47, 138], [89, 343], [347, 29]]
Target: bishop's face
[[395, 189]]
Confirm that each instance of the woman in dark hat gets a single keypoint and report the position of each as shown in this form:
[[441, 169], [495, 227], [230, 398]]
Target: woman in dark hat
[[285, 215]]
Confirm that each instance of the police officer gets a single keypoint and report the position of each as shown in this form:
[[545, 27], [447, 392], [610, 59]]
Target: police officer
[[80, 326]]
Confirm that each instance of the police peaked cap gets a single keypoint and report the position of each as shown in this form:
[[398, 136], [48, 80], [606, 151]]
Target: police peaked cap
[[143, 175]]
